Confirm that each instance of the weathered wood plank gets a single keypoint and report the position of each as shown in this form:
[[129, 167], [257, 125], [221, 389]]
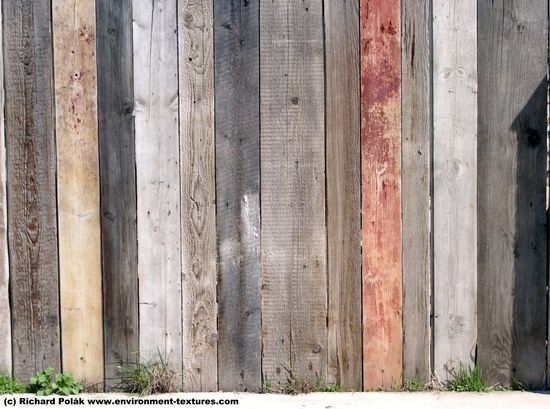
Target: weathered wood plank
[[381, 153], [237, 193], [198, 206], [5, 313], [294, 296], [343, 167], [32, 224], [512, 61], [78, 188], [455, 181], [118, 189], [158, 181], [416, 143]]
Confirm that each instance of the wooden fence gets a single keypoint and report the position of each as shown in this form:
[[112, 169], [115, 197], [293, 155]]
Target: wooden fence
[[354, 189]]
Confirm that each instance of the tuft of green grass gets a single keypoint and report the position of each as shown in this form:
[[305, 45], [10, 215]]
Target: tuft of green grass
[[10, 385], [321, 386], [267, 386], [414, 385], [466, 379], [149, 377], [295, 385]]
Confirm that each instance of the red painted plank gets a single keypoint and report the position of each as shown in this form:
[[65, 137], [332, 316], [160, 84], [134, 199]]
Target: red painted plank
[[380, 140]]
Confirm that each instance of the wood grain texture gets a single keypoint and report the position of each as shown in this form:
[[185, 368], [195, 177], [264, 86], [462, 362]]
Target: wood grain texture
[[416, 145], [5, 313], [78, 189], [198, 189], [512, 61], [381, 154], [294, 288], [455, 181], [118, 188], [158, 181], [32, 223], [343, 167], [237, 193]]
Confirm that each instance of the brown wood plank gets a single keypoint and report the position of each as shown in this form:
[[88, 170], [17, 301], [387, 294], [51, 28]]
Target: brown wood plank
[[416, 88], [78, 189], [294, 291], [237, 193], [32, 223], [343, 167], [381, 142], [5, 313], [118, 190], [198, 189], [512, 61]]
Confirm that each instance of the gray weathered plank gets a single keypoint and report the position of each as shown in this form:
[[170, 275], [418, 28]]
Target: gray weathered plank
[[198, 206], [117, 179], [32, 224], [294, 296], [455, 183], [512, 61], [5, 314], [416, 89], [158, 182], [78, 189], [237, 193], [343, 167]]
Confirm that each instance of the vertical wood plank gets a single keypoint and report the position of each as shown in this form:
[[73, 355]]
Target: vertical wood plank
[[117, 178], [78, 188], [381, 154], [416, 144], [294, 297], [32, 224], [455, 181], [343, 167], [512, 61], [237, 193], [198, 189], [5, 313], [158, 182]]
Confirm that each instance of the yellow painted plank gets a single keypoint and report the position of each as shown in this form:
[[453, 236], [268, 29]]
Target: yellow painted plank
[[78, 188]]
